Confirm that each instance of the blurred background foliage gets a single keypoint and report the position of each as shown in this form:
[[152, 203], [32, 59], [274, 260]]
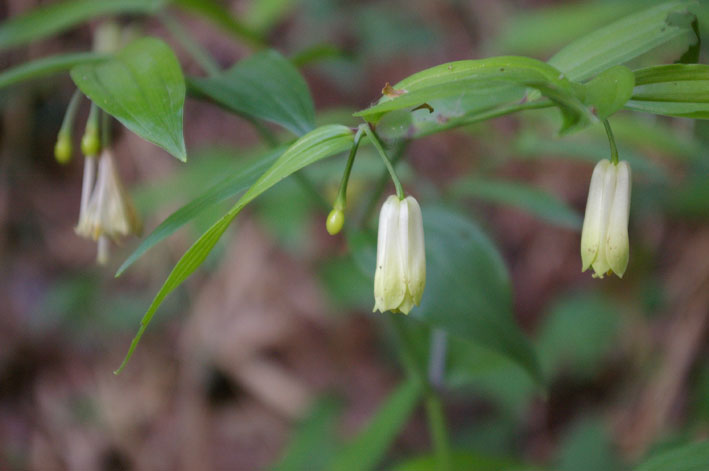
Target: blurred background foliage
[[269, 357]]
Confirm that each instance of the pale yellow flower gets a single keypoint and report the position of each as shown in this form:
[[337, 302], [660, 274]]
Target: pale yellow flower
[[400, 275]]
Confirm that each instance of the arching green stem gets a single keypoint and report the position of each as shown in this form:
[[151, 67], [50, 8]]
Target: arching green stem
[[611, 141], [387, 162], [341, 200]]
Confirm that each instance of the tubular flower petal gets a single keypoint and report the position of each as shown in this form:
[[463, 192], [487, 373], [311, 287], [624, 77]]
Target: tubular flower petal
[[109, 211], [400, 275], [604, 239]]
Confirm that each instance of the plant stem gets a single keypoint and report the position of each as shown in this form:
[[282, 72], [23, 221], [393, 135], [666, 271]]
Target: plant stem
[[432, 402], [193, 48], [611, 141], [68, 122], [380, 148], [380, 186], [341, 200]]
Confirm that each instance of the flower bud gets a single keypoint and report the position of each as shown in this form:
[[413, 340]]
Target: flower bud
[[400, 274], [90, 143], [604, 239], [63, 148], [335, 221]]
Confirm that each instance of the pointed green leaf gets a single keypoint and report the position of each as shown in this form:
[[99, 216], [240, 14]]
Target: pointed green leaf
[[525, 197], [60, 16], [265, 86], [370, 445], [47, 66], [142, 87], [673, 90], [625, 39], [322, 142], [235, 183], [476, 86], [691, 457]]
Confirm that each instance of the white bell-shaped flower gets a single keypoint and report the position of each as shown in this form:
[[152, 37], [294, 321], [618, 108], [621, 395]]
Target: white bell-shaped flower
[[109, 210], [604, 239], [400, 275]]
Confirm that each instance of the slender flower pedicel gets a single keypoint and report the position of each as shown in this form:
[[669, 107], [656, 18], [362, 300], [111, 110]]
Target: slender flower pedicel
[[604, 239], [400, 274]]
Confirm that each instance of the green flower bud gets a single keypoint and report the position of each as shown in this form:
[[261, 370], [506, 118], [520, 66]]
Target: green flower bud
[[335, 221], [90, 143], [400, 275], [63, 148]]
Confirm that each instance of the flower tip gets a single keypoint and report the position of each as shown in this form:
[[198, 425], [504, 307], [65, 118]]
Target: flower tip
[[63, 149], [90, 144], [335, 221]]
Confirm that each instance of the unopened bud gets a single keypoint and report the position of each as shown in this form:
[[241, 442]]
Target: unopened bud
[[90, 143], [335, 221], [62, 149]]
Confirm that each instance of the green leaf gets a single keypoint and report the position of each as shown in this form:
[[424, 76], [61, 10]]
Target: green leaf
[[322, 142], [691, 457], [673, 90], [461, 461], [576, 334], [60, 16], [47, 66], [588, 447], [485, 83], [265, 86], [525, 197], [610, 90], [313, 443], [468, 290], [221, 17], [370, 445], [234, 183], [625, 39], [142, 87], [535, 32]]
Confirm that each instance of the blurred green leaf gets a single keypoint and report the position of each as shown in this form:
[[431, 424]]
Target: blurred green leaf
[[625, 39], [142, 87], [536, 31], [367, 449], [673, 90], [588, 447], [236, 182], [691, 457], [47, 66], [318, 144], [490, 80], [265, 86], [461, 461], [529, 145], [610, 90], [468, 291], [525, 197], [262, 15], [221, 17], [576, 334], [59, 16], [313, 443], [499, 379]]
